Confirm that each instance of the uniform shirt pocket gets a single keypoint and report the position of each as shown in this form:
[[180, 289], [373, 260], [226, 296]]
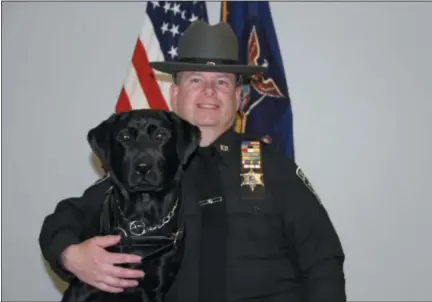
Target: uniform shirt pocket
[[255, 228]]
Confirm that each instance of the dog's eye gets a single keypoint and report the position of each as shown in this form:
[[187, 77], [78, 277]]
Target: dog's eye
[[160, 136], [124, 135]]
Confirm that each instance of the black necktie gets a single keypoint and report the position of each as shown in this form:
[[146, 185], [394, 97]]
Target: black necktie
[[213, 231]]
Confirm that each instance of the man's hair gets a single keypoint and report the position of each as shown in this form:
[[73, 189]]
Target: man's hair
[[176, 79]]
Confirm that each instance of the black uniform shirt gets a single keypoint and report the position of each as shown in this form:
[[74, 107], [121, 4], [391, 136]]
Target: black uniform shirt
[[281, 247]]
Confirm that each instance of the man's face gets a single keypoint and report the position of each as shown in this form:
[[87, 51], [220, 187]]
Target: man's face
[[206, 99]]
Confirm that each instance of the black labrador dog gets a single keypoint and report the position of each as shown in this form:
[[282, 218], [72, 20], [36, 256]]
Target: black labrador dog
[[144, 153]]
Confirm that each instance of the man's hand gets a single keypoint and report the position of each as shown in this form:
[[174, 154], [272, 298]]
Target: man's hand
[[92, 264]]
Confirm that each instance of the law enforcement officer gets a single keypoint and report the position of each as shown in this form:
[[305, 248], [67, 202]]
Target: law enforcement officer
[[256, 230]]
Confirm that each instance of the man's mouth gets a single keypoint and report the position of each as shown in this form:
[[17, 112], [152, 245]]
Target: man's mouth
[[208, 106]]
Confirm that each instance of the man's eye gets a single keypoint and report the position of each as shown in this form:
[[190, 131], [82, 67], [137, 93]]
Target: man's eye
[[194, 80], [222, 82]]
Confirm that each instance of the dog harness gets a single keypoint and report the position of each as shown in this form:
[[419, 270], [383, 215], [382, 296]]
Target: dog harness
[[136, 237]]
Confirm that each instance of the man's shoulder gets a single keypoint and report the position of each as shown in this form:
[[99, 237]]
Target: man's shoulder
[[265, 145], [272, 157], [273, 160], [289, 175], [283, 170]]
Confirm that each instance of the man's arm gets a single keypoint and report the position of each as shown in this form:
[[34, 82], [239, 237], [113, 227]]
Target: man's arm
[[69, 243], [65, 226], [316, 244]]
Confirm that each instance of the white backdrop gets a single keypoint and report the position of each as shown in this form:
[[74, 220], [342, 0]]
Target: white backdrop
[[359, 76]]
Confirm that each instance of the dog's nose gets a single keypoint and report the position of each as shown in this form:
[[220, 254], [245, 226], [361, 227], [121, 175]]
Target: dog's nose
[[143, 168]]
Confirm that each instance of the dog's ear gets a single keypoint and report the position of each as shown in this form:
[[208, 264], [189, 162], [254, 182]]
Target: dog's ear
[[187, 136], [99, 139]]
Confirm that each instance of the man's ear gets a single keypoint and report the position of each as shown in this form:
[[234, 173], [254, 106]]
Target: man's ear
[[188, 137], [99, 139], [173, 96], [238, 96]]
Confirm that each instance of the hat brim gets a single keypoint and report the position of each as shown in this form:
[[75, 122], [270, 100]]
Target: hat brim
[[173, 67]]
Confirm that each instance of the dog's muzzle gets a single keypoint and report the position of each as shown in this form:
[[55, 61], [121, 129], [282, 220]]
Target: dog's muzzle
[[145, 176], [143, 168]]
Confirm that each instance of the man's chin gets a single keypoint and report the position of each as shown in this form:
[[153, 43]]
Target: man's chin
[[207, 123]]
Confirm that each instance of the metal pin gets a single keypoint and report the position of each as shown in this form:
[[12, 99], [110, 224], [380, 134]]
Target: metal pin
[[224, 147], [210, 201]]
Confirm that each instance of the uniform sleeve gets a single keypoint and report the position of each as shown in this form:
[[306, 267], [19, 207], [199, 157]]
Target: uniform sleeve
[[316, 245], [67, 223]]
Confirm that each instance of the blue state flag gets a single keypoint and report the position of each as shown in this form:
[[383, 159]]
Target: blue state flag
[[265, 110]]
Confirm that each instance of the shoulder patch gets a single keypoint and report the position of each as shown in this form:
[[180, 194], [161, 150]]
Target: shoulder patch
[[300, 174]]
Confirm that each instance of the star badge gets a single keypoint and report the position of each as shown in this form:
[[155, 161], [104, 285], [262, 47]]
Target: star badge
[[252, 179]]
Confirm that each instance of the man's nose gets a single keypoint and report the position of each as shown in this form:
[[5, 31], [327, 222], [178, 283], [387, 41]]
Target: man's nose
[[209, 88]]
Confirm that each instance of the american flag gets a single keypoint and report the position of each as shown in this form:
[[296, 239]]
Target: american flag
[[164, 22]]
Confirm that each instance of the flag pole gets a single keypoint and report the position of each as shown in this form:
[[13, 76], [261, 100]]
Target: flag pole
[[240, 119], [224, 11]]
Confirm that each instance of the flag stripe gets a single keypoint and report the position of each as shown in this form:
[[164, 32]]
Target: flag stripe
[[163, 24], [154, 51], [147, 78], [123, 102], [137, 98]]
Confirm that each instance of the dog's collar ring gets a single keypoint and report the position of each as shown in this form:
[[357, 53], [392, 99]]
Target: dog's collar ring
[[138, 228]]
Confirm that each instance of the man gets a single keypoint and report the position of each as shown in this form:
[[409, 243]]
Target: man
[[260, 235]]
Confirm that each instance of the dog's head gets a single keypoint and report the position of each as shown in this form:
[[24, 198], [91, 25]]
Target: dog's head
[[144, 149]]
